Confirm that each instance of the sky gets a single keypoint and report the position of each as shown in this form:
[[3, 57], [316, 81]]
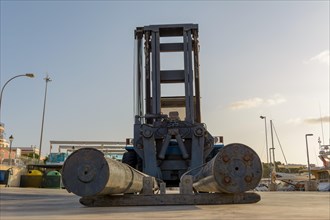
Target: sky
[[267, 58]]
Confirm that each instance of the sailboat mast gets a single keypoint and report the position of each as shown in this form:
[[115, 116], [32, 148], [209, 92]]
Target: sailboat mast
[[321, 123], [273, 148]]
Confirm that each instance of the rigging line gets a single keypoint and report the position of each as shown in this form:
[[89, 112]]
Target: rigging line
[[198, 167], [278, 140], [321, 123], [315, 156]]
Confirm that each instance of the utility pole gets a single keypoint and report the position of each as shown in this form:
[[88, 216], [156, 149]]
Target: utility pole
[[47, 79]]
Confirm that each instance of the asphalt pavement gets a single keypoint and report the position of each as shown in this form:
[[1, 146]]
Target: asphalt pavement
[[47, 204]]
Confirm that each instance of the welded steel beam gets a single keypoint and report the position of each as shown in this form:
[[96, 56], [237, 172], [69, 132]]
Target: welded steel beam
[[170, 199]]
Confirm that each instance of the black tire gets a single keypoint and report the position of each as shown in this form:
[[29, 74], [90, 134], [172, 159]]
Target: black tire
[[130, 158]]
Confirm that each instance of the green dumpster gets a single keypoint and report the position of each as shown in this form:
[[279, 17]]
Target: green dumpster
[[52, 180], [32, 179]]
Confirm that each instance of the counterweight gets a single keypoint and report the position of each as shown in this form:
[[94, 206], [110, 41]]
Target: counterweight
[[86, 172]]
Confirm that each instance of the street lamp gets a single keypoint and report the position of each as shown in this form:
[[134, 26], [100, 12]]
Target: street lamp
[[30, 75], [264, 117], [11, 138], [309, 167], [272, 148], [47, 79]]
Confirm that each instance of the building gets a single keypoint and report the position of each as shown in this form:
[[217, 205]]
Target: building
[[3, 142], [4, 145], [25, 151]]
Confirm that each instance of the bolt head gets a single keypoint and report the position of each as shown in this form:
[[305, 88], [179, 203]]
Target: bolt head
[[225, 158], [247, 157], [227, 179], [248, 179]]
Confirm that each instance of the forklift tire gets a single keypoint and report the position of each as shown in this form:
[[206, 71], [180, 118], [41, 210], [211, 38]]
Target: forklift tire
[[130, 158]]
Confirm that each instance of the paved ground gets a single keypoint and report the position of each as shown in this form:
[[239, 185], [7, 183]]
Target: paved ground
[[29, 203]]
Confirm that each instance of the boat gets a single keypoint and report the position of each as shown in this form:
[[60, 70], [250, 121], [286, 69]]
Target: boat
[[322, 175]]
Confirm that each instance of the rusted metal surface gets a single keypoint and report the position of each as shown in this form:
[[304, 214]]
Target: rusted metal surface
[[86, 172], [99, 180], [170, 199], [235, 169]]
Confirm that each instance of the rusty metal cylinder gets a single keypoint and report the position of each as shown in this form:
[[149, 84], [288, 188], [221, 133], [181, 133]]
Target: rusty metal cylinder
[[86, 172], [235, 169]]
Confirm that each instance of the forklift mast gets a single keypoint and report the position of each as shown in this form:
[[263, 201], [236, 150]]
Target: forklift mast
[[168, 134], [155, 77]]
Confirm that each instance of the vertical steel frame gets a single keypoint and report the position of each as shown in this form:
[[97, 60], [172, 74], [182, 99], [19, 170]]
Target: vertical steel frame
[[153, 143]]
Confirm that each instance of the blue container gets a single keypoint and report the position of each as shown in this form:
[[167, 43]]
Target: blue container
[[4, 176]]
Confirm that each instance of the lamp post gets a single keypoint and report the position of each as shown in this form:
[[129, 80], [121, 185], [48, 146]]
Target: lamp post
[[264, 117], [309, 167], [30, 75], [267, 152], [11, 138], [47, 79]]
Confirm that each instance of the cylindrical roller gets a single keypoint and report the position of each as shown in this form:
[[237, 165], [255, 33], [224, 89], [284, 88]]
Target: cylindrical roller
[[86, 172], [235, 169]]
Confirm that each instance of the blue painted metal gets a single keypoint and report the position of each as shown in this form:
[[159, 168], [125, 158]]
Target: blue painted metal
[[168, 143], [129, 147], [57, 157]]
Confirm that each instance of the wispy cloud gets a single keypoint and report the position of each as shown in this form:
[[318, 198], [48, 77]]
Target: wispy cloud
[[297, 121], [275, 100], [324, 119], [294, 121], [322, 57], [247, 103], [256, 102]]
